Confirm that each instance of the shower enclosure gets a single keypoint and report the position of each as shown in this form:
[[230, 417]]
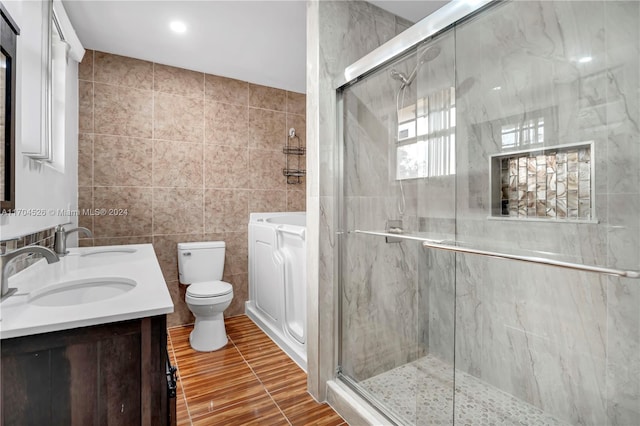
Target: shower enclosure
[[489, 235]]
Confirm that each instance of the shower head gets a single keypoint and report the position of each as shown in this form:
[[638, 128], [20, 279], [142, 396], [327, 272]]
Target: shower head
[[427, 56], [464, 86], [400, 76]]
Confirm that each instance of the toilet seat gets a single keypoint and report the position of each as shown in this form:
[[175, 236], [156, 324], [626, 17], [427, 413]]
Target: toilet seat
[[209, 289]]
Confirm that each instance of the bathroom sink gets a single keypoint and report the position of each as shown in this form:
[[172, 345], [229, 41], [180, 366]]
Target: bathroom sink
[[82, 291], [108, 252]]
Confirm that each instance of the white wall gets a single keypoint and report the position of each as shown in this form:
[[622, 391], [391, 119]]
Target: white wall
[[39, 186]]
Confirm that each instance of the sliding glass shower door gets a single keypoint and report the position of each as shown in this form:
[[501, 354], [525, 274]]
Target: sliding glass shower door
[[547, 167], [489, 243], [398, 299]]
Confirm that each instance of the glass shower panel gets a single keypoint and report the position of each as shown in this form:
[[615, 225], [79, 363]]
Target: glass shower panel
[[435, 193], [547, 165], [378, 280], [384, 284]]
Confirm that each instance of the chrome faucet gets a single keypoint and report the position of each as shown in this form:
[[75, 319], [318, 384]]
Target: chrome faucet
[[60, 244], [6, 258]]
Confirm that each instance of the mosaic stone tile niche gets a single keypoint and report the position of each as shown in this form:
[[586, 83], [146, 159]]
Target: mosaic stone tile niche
[[554, 183]]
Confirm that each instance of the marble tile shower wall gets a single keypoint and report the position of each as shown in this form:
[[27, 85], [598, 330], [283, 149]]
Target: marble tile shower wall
[[188, 155], [565, 341], [339, 33]]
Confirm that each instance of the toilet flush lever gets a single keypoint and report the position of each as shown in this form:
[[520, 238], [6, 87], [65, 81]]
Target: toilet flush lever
[[187, 253]]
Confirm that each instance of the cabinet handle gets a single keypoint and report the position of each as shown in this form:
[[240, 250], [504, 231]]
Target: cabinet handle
[[172, 378]]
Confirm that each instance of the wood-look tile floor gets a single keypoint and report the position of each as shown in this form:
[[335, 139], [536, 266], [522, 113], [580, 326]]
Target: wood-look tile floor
[[250, 381]]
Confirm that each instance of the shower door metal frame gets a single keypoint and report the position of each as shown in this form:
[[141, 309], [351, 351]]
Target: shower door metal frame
[[440, 20]]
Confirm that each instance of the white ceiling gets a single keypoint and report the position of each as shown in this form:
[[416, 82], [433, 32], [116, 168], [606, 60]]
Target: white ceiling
[[263, 42], [412, 10]]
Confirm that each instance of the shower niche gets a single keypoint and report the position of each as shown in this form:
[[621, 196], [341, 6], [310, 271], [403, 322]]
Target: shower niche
[[554, 183]]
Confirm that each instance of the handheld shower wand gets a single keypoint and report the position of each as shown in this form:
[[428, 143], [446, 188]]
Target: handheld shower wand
[[428, 55], [400, 76]]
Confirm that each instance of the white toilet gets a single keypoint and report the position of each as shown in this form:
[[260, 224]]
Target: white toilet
[[200, 266]]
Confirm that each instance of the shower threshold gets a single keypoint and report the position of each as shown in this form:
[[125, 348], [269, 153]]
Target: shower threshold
[[419, 393]]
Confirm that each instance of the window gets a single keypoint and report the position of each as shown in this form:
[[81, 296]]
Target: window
[[57, 82], [426, 137], [528, 132]]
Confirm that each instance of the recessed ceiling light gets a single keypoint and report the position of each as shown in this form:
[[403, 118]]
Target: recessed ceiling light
[[497, 88], [178, 26], [585, 59]]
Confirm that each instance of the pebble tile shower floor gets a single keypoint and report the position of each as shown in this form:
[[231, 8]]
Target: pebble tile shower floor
[[420, 393], [251, 381]]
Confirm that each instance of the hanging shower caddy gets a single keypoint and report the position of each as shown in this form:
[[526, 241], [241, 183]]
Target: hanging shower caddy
[[293, 147]]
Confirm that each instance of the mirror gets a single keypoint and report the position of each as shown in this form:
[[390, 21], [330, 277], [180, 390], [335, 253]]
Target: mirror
[[3, 91], [8, 34]]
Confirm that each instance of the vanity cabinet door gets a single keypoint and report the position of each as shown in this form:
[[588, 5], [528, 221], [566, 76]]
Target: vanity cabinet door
[[103, 375], [103, 380], [26, 384]]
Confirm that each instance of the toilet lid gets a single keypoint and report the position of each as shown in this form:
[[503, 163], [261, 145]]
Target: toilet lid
[[209, 289]]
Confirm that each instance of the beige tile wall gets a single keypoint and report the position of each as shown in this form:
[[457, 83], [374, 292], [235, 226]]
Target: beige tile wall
[[188, 155]]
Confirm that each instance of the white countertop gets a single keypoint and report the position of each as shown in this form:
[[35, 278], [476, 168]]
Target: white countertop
[[148, 298]]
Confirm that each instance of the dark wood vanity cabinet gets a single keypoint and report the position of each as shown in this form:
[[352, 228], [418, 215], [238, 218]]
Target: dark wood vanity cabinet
[[110, 374]]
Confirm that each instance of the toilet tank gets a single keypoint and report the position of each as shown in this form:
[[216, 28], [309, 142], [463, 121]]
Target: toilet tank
[[199, 262]]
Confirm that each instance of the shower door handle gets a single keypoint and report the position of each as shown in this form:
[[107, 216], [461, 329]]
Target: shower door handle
[[531, 259], [449, 245]]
